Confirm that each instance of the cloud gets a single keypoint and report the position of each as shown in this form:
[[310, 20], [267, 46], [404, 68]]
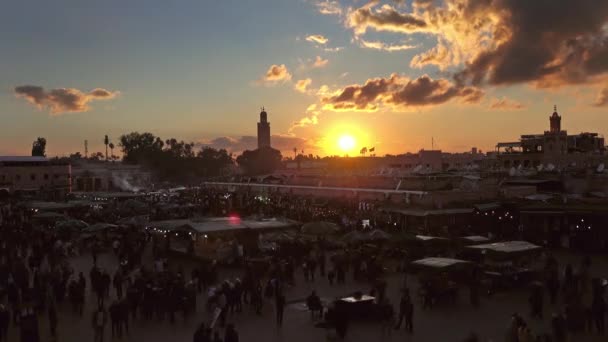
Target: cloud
[[62, 100], [317, 38], [377, 45], [501, 42], [320, 62], [400, 93], [236, 145], [311, 118], [602, 98], [334, 49], [302, 85], [386, 18], [329, 7], [277, 73], [505, 104]]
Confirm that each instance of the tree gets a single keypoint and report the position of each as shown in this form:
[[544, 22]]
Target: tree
[[106, 141], [138, 147], [39, 147], [111, 151], [261, 161]]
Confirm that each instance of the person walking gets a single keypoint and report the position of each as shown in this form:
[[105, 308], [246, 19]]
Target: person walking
[[115, 319], [280, 308], [231, 334], [53, 321], [5, 318], [99, 323]]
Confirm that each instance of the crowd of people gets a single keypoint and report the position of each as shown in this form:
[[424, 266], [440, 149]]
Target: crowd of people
[[38, 281]]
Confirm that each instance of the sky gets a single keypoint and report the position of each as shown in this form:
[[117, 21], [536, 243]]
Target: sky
[[394, 75]]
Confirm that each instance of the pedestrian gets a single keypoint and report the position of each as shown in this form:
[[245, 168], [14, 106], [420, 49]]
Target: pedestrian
[[5, 318], [231, 334], [114, 310], [331, 275], [280, 308], [199, 334], [216, 337], [99, 323], [53, 321]]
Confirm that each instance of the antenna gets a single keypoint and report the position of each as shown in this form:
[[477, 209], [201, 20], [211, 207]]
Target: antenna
[[86, 148]]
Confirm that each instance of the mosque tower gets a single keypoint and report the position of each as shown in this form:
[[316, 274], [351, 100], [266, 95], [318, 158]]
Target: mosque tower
[[263, 130]]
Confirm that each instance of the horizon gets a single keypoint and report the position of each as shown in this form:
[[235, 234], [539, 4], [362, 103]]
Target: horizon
[[387, 75]]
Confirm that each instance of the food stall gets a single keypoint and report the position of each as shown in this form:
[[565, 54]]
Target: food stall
[[440, 278]]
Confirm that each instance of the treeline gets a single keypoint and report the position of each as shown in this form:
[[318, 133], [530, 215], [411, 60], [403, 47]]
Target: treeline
[[173, 160]]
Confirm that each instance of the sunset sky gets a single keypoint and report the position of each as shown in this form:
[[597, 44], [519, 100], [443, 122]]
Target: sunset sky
[[391, 74]]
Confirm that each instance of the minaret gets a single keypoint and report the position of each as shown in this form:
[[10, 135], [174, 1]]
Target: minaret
[[263, 130], [556, 121]]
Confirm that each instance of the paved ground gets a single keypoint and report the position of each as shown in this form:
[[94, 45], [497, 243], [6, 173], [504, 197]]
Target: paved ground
[[489, 321]]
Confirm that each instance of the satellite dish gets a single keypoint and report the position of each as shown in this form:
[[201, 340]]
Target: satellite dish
[[540, 167], [550, 167], [600, 168], [512, 172]]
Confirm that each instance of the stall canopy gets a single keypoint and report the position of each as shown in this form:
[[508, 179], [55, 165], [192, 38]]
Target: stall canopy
[[354, 237], [49, 215], [99, 227], [475, 239], [221, 224], [71, 224], [507, 248], [441, 264], [378, 235], [320, 228]]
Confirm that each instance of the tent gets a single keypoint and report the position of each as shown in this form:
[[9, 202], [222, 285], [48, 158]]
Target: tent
[[378, 235], [48, 215], [320, 228], [71, 224], [98, 227], [440, 264], [138, 221], [507, 249], [354, 237]]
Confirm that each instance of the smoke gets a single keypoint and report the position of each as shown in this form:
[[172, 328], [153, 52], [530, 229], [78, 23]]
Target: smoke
[[124, 184]]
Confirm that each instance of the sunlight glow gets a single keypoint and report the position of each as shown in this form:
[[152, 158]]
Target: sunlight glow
[[346, 143]]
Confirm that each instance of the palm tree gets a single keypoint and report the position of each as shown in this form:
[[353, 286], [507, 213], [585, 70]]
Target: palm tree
[[111, 145], [106, 141], [295, 153]]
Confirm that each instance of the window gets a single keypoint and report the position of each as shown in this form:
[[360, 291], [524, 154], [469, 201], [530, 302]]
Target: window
[[18, 177], [33, 176], [46, 176], [55, 176]]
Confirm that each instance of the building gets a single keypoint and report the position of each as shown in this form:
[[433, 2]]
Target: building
[[553, 149], [36, 176], [90, 176], [263, 130]]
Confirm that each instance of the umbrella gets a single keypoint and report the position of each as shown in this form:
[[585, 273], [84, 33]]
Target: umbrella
[[98, 227], [71, 224], [379, 235], [139, 221], [353, 237], [320, 228], [49, 215]]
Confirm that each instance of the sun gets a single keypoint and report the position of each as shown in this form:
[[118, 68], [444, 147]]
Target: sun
[[346, 143]]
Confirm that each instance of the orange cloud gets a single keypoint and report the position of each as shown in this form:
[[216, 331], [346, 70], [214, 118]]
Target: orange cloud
[[329, 7], [505, 104], [302, 85], [400, 93], [317, 38], [277, 73], [320, 62], [602, 98], [377, 45], [62, 100]]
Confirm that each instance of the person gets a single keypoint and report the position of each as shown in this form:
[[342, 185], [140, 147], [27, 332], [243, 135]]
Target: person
[[403, 307], [313, 302], [5, 318], [216, 337], [53, 321], [331, 275], [200, 334], [231, 335], [115, 319], [598, 309], [99, 323], [409, 316], [280, 307]]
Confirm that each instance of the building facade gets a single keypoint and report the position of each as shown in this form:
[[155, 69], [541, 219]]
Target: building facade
[[104, 176], [263, 130], [552, 149], [36, 176]]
